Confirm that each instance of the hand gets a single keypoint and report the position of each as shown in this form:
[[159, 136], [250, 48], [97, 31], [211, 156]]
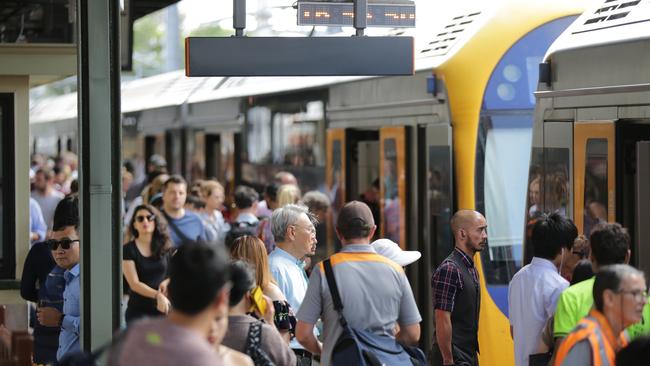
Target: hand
[[270, 310], [163, 287], [49, 317], [162, 303], [34, 236]]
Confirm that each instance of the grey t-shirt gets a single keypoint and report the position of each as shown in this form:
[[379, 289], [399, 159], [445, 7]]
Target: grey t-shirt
[[48, 204], [374, 290], [160, 342]]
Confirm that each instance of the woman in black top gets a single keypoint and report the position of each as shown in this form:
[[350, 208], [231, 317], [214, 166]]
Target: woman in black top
[[145, 262]]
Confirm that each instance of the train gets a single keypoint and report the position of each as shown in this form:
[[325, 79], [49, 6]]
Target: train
[[473, 127]]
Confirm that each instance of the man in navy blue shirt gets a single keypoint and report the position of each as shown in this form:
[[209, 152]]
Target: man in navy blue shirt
[[184, 226]]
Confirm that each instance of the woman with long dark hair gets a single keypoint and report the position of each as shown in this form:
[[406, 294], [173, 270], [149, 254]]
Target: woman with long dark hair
[[145, 259]]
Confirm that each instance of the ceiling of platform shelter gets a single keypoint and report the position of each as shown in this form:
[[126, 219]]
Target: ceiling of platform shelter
[[52, 21]]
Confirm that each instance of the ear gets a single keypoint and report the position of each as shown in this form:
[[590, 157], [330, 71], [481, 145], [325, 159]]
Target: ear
[[338, 235], [608, 299], [372, 233], [221, 301], [627, 256]]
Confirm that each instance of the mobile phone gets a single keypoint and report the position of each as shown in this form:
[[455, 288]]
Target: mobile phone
[[259, 303]]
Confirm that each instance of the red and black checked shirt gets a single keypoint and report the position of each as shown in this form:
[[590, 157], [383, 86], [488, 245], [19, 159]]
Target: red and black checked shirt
[[447, 282]]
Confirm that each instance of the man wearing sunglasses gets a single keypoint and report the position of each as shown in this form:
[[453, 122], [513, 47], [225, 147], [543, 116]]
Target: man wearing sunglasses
[[64, 246]]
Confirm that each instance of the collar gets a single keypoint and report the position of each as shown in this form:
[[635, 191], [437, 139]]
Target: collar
[[74, 271], [358, 248], [543, 262], [615, 342], [469, 262], [247, 217], [284, 254]]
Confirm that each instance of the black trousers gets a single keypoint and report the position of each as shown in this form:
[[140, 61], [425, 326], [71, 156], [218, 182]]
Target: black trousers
[[134, 313], [461, 357]]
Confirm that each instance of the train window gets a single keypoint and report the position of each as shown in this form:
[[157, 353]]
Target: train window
[[296, 140], [548, 188], [503, 186], [595, 184], [7, 204], [258, 130], [502, 158], [391, 208], [285, 134], [440, 201]]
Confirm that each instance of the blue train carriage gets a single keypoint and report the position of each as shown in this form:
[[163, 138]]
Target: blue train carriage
[[591, 141], [489, 83]]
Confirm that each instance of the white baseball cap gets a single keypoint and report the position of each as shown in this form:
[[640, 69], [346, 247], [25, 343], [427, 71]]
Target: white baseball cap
[[392, 251]]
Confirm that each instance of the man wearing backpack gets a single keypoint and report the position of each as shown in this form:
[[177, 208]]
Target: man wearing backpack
[[374, 291], [246, 223], [184, 226]]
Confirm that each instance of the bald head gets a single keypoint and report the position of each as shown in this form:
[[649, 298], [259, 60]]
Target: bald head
[[285, 178], [470, 230], [463, 219]]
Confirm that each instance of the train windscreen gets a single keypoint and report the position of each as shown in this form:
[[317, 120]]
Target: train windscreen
[[503, 154]]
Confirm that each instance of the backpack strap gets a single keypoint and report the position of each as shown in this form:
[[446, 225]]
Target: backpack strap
[[253, 348], [334, 290], [254, 337], [181, 235]]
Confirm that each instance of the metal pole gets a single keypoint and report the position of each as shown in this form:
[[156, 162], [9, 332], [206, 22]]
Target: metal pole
[[99, 170], [360, 16], [239, 17]]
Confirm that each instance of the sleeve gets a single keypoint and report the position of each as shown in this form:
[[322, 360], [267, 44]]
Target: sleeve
[[127, 252], [37, 224], [310, 309], [408, 309], [70, 323], [278, 350], [578, 355], [551, 305], [29, 277], [511, 304], [564, 316], [445, 284]]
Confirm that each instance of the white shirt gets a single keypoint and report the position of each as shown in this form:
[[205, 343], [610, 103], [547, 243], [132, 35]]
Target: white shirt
[[532, 298]]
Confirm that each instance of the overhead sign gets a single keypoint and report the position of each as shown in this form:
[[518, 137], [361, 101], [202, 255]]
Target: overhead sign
[[298, 56], [342, 14]]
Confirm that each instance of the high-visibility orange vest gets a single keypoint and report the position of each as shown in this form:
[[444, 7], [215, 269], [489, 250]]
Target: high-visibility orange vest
[[596, 330]]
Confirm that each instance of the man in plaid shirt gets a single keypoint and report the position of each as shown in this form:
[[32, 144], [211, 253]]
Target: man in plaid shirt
[[456, 293]]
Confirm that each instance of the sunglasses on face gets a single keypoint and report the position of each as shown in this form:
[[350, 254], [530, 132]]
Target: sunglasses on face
[[149, 218], [63, 243]]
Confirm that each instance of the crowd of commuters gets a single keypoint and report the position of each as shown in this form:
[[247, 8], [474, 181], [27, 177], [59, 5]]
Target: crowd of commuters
[[242, 284]]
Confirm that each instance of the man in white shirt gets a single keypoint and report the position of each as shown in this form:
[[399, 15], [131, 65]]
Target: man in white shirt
[[45, 195], [535, 289]]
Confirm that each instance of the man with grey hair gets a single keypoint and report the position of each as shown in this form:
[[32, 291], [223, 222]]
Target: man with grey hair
[[619, 297], [295, 239]]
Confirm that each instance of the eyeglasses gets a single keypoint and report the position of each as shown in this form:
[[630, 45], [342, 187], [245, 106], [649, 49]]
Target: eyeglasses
[[637, 294], [149, 218], [63, 243], [310, 230]]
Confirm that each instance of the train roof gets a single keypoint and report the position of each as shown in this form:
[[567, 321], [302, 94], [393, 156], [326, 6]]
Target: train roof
[[606, 22], [433, 48]]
